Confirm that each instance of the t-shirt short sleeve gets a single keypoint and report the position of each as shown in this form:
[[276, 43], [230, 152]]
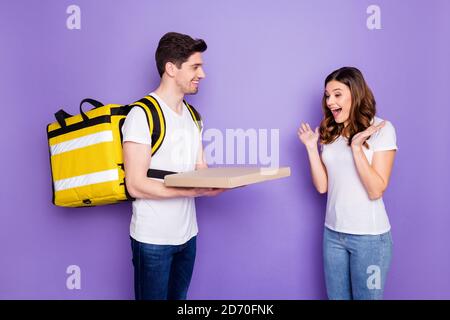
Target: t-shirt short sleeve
[[385, 139], [202, 128], [135, 128]]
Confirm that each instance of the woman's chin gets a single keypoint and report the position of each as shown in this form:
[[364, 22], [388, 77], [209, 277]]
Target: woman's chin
[[340, 120]]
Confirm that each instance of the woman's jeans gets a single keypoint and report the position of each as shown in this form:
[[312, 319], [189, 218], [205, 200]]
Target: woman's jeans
[[356, 265], [162, 272]]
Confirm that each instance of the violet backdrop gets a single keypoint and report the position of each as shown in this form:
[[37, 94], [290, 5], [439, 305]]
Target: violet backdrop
[[265, 65]]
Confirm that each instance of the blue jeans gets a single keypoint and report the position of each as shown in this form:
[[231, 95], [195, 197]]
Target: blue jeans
[[162, 272], [356, 266]]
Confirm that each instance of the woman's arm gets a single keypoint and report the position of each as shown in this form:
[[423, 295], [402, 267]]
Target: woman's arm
[[318, 170], [375, 177]]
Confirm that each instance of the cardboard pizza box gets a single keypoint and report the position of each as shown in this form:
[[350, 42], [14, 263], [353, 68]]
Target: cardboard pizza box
[[225, 177]]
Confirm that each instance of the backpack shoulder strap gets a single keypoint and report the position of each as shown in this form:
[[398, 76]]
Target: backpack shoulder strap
[[156, 120], [195, 116]]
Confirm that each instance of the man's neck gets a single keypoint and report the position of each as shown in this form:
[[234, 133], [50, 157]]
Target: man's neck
[[171, 96]]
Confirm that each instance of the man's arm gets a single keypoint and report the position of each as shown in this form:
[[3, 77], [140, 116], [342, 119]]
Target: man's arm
[[137, 157], [201, 162]]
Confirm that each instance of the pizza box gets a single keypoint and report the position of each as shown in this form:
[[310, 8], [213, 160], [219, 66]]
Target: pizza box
[[225, 177]]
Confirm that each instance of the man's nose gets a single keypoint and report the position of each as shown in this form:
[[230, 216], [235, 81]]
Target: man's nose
[[201, 73]]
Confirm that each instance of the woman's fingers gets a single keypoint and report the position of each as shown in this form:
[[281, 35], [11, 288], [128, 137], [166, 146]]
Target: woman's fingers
[[304, 127], [381, 125], [370, 130], [377, 127], [360, 137], [309, 128]]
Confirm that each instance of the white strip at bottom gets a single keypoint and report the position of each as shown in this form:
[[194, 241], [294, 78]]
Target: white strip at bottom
[[87, 179]]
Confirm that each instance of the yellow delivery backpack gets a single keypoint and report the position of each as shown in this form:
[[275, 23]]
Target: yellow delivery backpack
[[86, 151]]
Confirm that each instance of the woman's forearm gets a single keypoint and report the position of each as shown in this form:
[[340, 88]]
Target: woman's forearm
[[372, 181], [318, 171]]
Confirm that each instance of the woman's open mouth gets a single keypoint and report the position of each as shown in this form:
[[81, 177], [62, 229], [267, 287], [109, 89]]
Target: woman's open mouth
[[336, 112]]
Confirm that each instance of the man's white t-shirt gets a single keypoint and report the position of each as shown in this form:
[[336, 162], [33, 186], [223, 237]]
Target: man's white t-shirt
[[169, 221], [349, 209]]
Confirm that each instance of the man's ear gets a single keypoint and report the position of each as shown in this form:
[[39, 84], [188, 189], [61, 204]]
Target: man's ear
[[170, 69]]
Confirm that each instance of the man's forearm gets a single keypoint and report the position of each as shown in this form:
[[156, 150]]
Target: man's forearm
[[202, 165], [151, 189]]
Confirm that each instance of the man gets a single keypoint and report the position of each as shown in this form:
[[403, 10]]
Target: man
[[163, 227]]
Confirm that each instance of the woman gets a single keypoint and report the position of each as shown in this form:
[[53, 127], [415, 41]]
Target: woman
[[354, 167]]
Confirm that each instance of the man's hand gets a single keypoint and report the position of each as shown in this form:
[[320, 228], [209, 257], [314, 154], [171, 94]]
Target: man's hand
[[200, 192]]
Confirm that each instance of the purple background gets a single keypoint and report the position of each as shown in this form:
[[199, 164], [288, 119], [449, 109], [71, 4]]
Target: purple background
[[265, 67]]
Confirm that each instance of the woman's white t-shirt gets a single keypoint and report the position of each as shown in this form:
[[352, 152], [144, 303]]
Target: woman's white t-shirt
[[169, 221], [349, 209]]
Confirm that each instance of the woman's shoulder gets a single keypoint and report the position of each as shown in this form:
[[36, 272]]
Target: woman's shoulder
[[386, 136]]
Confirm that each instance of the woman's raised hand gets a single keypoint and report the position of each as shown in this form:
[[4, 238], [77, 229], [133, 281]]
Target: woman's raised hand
[[307, 136]]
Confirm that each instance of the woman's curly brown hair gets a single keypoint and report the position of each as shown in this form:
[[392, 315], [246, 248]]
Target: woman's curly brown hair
[[362, 110]]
